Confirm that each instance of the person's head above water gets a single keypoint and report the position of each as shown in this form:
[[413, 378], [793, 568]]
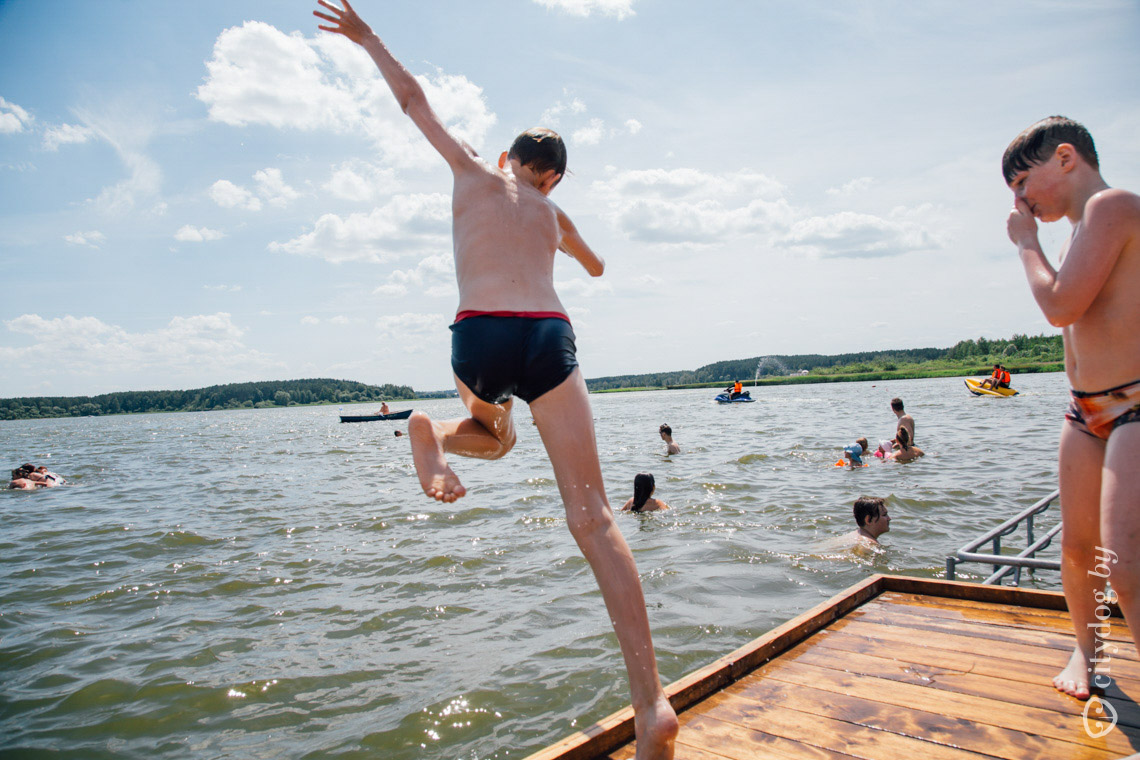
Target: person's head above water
[[643, 488], [897, 404], [903, 438], [863, 442], [540, 150], [871, 516], [1039, 142], [665, 430]]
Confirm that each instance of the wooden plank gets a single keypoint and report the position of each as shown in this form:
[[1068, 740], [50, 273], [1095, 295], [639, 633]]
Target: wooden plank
[[731, 740], [965, 662], [1031, 720], [818, 730], [1021, 597], [1014, 693], [617, 729], [913, 618], [933, 727], [996, 614], [961, 643]]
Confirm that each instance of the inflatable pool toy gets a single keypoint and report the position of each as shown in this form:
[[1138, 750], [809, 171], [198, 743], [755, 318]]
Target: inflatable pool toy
[[843, 463], [974, 385]]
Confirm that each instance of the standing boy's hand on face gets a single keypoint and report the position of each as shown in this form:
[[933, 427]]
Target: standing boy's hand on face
[[1021, 225], [347, 22]]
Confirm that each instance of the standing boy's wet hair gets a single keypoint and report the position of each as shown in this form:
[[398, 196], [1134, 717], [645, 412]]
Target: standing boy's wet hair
[[1039, 141], [897, 404], [541, 150], [665, 429]]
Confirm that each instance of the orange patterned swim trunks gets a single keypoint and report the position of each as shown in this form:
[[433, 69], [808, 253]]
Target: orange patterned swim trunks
[[1098, 414]]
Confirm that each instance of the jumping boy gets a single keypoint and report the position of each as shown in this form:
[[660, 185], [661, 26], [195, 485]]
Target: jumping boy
[[1054, 172], [512, 337]]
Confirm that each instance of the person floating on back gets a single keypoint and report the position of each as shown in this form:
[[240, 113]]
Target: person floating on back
[[511, 337], [1054, 172], [667, 436], [642, 499]]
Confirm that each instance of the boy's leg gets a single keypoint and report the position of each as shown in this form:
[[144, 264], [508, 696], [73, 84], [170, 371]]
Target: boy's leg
[[566, 425], [488, 433], [1081, 459], [1120, 519]]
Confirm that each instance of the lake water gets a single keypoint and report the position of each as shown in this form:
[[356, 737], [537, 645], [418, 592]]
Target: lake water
[[271, 583]]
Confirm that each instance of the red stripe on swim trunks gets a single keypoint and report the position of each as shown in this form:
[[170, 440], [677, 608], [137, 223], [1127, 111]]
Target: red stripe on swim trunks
[[467, 314]]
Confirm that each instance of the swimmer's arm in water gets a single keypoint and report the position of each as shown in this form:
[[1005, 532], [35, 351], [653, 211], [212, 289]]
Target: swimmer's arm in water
[[573, 244], [409, 94]]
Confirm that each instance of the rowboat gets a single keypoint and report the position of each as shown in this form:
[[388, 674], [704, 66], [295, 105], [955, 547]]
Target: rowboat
[[405, 414], [898, 668]]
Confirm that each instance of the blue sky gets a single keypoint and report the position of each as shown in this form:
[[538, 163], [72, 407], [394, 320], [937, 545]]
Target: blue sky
[[209, 192]]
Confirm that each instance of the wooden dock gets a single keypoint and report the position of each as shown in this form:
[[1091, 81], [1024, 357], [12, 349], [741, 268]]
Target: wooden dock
[[902, 669]]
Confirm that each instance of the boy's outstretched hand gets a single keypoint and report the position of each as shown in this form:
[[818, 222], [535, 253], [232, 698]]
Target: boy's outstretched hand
[[346, 22], [1021, 225]]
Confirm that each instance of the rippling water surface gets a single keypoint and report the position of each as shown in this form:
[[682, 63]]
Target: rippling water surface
[[272, 583]]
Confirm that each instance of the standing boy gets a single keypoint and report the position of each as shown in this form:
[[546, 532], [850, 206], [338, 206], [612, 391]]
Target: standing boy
[[1054, 172], [904, 419], [512, 337], [667, 436]]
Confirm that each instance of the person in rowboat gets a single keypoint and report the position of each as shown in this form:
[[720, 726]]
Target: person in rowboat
[[511, 337]]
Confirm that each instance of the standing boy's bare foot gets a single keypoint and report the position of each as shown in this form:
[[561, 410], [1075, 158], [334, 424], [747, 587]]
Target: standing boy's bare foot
[[656, 729], [1074, 679], [436, 477]]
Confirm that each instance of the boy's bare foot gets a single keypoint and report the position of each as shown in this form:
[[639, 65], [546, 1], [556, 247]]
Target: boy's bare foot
[[656, 729], [436, 478], [1074, 679]]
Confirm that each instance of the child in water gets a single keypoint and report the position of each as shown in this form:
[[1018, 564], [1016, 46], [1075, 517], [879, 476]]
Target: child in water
[[904, 451], [855, 452], [642, 499], [511, 337]]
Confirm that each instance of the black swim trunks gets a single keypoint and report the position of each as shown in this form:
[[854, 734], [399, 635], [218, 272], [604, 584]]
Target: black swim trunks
[[499, 357]]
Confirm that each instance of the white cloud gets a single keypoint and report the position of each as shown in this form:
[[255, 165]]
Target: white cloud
[[228, 195], [688, 206], [88, 346], [405, 225], [591, 134], [633, 126], [189, 234], [340, 319], [92, 238], [13, 118], [361, 182], [310, 320], [223, 288], [852, 235], [617, 8], [260, 75], [415, 333], [585, 288], [66, 134], [552, 117], [271, 186], [127, 128], [854, 187], [433, 276]]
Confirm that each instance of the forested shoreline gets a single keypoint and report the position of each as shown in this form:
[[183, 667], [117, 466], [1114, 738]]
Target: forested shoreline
[[1031, 353], [262, 395]]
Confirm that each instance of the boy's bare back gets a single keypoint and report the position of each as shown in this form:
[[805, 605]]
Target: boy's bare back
[[506, 233]]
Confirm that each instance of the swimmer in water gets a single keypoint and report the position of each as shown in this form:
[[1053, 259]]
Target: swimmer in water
[[667, 436], [905, 452], [871, 519], [642, 499]]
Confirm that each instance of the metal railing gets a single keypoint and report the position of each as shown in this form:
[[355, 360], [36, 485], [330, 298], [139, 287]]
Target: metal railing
[[1006, 564]]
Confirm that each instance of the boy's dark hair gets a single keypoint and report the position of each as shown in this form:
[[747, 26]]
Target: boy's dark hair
[[665, 429], [896, 404], [867, 508], [540, 149], [1038, 142]]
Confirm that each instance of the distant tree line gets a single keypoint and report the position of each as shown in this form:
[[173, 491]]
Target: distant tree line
[[1039, 349], [216, 397]]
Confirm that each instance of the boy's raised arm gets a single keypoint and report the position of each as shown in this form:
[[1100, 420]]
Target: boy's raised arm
[[1065, 293], [409, 94], [573, 244]]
